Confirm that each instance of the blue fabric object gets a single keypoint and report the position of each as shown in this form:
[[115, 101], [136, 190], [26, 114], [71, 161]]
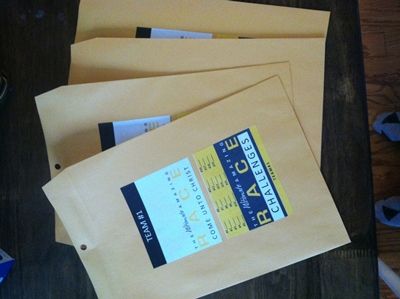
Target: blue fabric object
[[387, 211], [388, 124], [6, 263]]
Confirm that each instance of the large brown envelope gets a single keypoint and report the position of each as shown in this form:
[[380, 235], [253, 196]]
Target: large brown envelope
[[100, 199], [104, 18], [70, 114], [72, 137], [113, 59]]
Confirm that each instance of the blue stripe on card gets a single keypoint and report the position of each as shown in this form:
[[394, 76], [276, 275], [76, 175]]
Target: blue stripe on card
[[266, 172], [144, 225]]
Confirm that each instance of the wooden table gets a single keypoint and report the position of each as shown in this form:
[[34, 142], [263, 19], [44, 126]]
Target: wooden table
[[34, 51]]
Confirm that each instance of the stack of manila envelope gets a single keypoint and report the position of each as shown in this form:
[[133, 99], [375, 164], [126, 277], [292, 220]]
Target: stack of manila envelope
[[193, 150]]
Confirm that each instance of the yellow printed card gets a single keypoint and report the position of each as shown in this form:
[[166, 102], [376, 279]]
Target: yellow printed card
[[243, 186]]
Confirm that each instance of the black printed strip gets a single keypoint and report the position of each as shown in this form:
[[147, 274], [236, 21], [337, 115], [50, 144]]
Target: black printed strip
[[107, 137], [144, 225], [143, 32]]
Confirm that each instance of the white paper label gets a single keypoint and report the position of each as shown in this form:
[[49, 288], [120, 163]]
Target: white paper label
[[171, 213], [181, 34], [128, 129]]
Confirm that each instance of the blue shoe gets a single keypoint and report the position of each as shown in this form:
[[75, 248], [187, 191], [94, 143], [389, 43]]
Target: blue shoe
[[387, 211], [388, 124]]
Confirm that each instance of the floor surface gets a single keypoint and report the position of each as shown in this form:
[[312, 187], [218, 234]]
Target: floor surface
[[380, 26]]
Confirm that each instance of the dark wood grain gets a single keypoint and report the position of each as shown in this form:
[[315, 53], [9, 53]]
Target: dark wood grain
[[34, 52]]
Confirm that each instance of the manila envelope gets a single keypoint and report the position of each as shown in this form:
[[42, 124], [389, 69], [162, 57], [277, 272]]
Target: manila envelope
[[70, 114], [115, 59], [167, 214], [103, 18]]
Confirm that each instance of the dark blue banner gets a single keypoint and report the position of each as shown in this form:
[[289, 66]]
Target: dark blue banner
[[144, 224]]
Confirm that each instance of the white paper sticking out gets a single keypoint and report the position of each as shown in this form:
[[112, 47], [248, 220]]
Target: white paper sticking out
[[181, 34], [128, 129]]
